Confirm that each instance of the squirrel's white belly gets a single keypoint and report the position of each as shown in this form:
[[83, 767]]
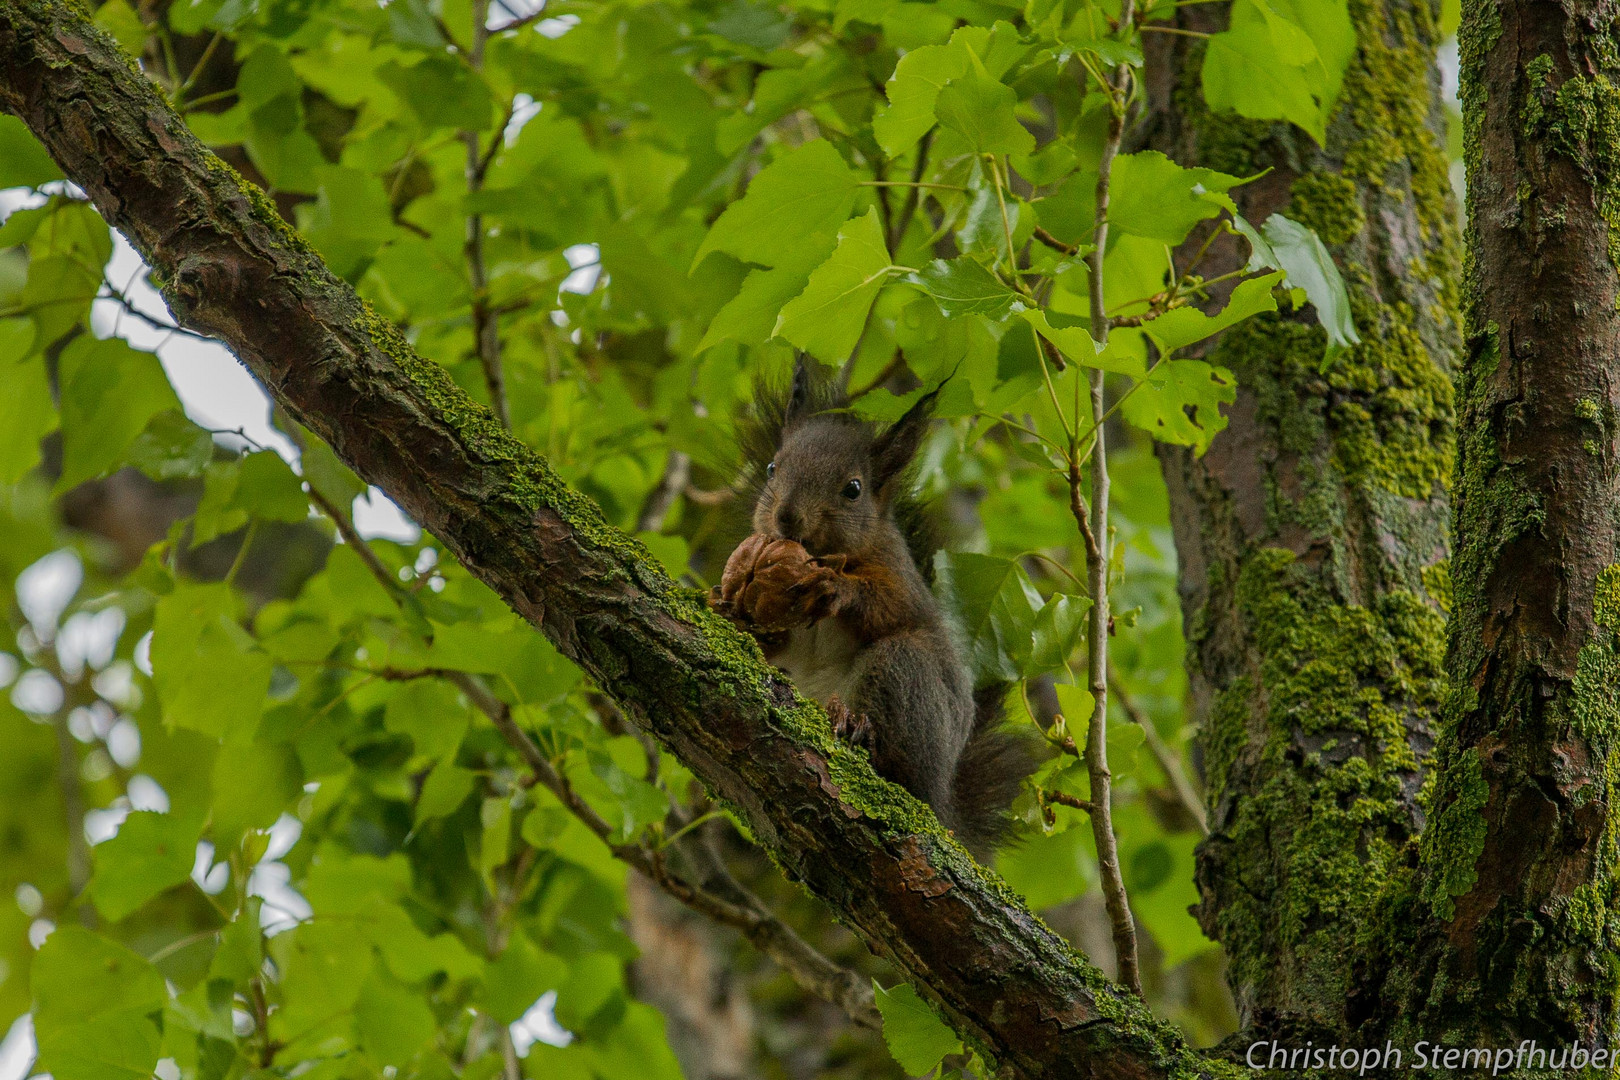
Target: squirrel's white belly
[[821, 660]]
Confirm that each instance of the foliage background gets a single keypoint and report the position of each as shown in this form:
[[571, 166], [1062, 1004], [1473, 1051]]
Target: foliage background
[[203, 670]]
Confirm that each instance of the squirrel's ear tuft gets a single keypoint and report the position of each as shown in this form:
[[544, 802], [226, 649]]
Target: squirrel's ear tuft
[[893, 450], [808, 394]]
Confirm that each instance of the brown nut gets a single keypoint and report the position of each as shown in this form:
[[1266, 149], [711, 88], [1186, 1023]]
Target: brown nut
[[775, 585]]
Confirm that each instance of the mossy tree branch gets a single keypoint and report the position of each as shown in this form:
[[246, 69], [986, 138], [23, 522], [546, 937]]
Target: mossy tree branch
[[229, 267]]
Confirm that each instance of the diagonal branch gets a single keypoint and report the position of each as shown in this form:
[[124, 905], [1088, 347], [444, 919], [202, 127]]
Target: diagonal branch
[[726, 902], [231, 268]]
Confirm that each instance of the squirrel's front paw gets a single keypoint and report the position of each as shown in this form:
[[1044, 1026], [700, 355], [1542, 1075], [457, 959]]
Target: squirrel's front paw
[[853, 728]]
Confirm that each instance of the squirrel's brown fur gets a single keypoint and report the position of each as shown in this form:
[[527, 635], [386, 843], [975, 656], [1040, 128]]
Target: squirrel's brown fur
[[833, 583]]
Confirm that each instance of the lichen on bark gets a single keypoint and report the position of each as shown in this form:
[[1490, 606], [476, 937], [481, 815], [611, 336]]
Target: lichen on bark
[[1312, 535]]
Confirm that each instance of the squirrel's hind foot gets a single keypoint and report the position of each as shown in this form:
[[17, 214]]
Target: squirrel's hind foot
[[853, 728]]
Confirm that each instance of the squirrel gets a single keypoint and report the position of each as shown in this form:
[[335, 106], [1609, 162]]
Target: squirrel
[[833, 583]]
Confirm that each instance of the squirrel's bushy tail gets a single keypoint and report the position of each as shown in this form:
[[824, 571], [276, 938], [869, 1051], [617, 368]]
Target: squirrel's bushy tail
[[990, 772]]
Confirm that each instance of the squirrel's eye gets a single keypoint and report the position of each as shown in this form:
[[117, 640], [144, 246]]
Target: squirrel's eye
[[852, 490], [770, 470]]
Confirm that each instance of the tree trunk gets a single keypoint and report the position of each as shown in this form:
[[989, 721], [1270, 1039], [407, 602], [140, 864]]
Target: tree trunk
[[229, 267], [1312, 535], [1521, 853]]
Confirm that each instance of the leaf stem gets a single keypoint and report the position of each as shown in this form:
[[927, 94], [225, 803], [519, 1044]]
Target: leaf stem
[[1006, 224], [241, 552], [908, 184], [1051, 392], [1175, 30]]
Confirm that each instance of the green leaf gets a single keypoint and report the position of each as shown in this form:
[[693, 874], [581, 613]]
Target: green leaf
[[240, 956], [432, 713], [1111, 51], [1327, 23], [547, 1062], [1049, 869], [913, 89], [922, 72], [267, 488], [442, 92], [150, 854], [27, 413], [254, 781], [95, 1008], [750, 317], [217, 512], [411, 24], [1184, 326], [23, 161], [672, 552], [918, 1039], [445, 789], [495, 845], [119, 19], [209, 675], [1179, 402], [1300, 252], [1267, 67], [623, 799], [994, 605], [1159, 877], [1152, 196], [1057, 632], [171, 447], [326, 474], [827, 318], [797, 202], [59, 291], [594, 989], [324, 965], [1123, 354], [392, 1022], [755, 26], [1075, 705], [1261, 257], [109, 393], [964, 287], [350, 218], [637, 1046], [981, 110], [516, 979]]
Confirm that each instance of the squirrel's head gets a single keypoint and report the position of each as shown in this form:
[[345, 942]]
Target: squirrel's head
[[832, 480]]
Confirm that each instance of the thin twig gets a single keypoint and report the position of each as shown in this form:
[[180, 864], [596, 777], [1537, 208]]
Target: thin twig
[[521, 21], [908, 209], [153, 321], [1169, 762], [197, 69], [708, 497], [1093, 525], [486, 324], [1054, 243], [661, 499], [1065, 799]]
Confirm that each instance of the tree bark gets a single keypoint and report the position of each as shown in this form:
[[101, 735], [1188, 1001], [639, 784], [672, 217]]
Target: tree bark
[[1520, 857], [1312, 535], [229, 267]]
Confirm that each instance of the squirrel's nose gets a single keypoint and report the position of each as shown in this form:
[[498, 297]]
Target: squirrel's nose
[[788, 523]]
